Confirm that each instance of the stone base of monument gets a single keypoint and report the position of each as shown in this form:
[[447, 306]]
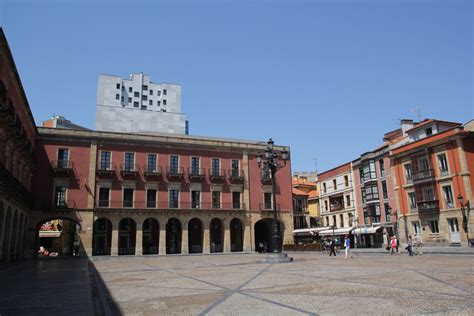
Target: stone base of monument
[[277, 258]]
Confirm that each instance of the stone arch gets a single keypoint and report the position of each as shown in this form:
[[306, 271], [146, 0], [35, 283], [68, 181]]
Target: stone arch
[[102, 237], [127, 236], [236, 235], [195, 235], [151, 236], [173, 236], [216, 232], [263, 235]]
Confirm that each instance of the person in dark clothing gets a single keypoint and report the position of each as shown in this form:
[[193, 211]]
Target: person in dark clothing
[[332, 247]]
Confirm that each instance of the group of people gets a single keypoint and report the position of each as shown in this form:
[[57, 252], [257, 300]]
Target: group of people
[[44, 252], [332, 245], [393, 244]]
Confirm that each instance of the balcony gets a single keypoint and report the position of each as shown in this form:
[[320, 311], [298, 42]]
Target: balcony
[[409, 179], [236, 176], [174, 173], [428, 206], [423, 175], [208, 206], [152, 172], [106, 169], [268, 207], [265, 177], [128, 170], [196, 174], [336, 207], [443, 172], [216, 175], [62, 167], [64, 204]]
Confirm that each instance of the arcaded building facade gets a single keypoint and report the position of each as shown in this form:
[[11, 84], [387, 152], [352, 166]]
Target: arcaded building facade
[[159, 194]]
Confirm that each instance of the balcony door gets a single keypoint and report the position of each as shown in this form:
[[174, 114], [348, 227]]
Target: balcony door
[[454, 230]]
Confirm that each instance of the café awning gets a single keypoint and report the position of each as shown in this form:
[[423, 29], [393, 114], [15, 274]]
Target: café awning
[[367, 230], [309, 231], [337, 231]]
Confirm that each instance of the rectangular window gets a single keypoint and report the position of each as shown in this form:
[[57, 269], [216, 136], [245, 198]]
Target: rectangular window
[[195, 165], [334, 184], [215, 167], [145, 87], [195, 199], [326, 205], [104, 194], [143, 107], [412, 200], [384, 190], [63, 157], [118, 86], [158, 93], [388, 219], [164, 91], [174, 198], [151, 163], [216, 199], [267, 201], [130, 89], [416, 228], [448, 196], [174, 164], [129, 100], [235, 168], [150, 102], [377, 213], [369, 170], [164, 102], [434, 227], [123, 99], [136, 94], [346, 181], [366, 217], [105, 160], [135, 104], [236, 200], [129, 163], [371, 192], [123, 88], [382, 168], [144, 97], [60, 196], [429, 131], [324, 187], [363, 195], [158, 103], [348, 200], [443, 165], [361, 175], [151, 92], [422, 164], [128, 197], [117, 96], [408, 173], [151, 198]]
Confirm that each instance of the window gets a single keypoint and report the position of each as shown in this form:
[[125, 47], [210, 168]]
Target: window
[[195, 165], [408, 172], [341, 220], [117, 96], [151, 92], [366, 217], [377, 213], [174, 164], [128, 197], [151, 198], [384, 190], [429, 131], [130, 89], [195, 199], [63, 157], [143, 107], [448, 196], [60, 196], [334, 184], [371, 192], [105, 160], [348, 200], [346, 181], [267, 201], [382, 168], [164, 91], [412, 200], [361, 175], [416, 228], [326, 205], [129, 164], [422, 163], [150, 102], [129, 100], [164, 102], [151, 163], [136, 94], [324, 187], [236, 199], [216, 199], [173, 198], [235, 168], [123, 88], [145, 87], [363, 196], [434, 227], [215, 167], [144, 97], [118, 85], [388, 219], [443, 164], [158, 92], [104, 194], [122, 100], [158, 103], [135, 104]]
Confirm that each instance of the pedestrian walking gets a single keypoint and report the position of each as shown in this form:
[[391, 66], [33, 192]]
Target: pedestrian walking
[[418, 245], [332, 248], [347, 244], [410, 245], [393, 245]]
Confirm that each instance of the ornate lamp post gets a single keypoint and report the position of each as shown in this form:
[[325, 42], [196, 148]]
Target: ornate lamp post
[[272, 162], [465, 210]]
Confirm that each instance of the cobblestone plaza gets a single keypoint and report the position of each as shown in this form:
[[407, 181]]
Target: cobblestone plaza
[[241, 284]]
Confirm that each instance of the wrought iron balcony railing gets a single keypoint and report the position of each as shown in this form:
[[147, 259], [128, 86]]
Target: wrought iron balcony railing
[[174, 172], [235, 175], [106, 168], [164, 205], [152, 170], [268, 207], [428, 206], [128, 168], [64, 204], [422, 175], [62, 165], [196, 174], [216, 175]]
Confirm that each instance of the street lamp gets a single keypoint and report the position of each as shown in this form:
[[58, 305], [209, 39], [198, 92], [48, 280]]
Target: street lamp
[[273, 162], [465, 210]]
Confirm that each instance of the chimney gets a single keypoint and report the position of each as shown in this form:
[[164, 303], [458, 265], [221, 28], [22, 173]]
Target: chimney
[[406, 124]]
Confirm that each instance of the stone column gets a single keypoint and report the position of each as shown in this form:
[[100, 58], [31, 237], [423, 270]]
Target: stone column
[[2, 232], [247, 234], [162, 246], [245, 168], [184, 239], [139, 241], [90, 182], [206, 247], [114, 245], [226, 237]]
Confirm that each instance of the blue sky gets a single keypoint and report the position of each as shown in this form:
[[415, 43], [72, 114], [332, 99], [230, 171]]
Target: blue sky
[[327, 78]]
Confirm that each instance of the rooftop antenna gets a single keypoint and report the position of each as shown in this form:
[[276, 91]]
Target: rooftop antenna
[[417, 109], [315, 164]]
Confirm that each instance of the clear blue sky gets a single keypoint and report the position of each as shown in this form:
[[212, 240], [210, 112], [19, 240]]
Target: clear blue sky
[[327, 78]]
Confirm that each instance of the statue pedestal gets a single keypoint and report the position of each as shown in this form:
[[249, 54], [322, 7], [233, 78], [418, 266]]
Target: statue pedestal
[[277, 258]]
